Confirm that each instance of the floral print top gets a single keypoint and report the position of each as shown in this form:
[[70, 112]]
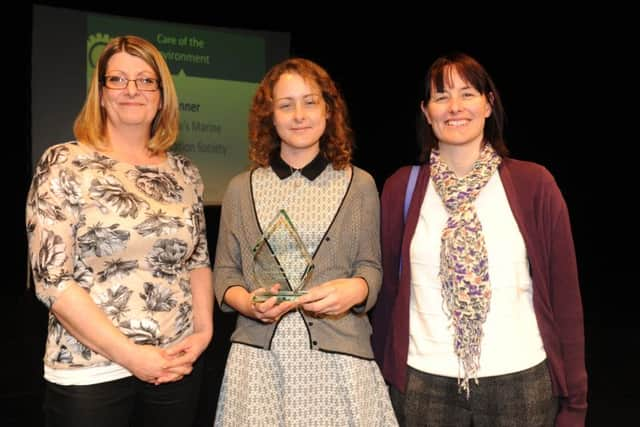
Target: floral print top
[[128, 235]]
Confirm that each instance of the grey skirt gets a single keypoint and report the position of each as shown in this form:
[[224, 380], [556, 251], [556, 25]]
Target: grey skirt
[[292, 385]]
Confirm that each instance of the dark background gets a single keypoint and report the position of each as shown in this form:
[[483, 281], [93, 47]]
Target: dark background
[[549, 67]]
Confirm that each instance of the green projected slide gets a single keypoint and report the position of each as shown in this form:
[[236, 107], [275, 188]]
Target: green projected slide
[[216, 74]]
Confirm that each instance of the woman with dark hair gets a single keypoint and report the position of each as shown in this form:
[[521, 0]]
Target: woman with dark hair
[[479, 320], [306, 361]]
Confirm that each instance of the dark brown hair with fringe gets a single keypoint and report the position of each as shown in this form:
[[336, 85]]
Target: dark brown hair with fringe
[[472, 72]]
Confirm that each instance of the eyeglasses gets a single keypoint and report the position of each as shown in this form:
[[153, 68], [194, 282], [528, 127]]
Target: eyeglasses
[[142, 83]]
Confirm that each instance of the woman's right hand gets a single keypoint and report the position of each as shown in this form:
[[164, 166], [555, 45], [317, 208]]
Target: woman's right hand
[[85, 321], [269, 311]]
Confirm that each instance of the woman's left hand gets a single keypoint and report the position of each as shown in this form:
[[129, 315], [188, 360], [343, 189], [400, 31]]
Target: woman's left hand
[[334, 297], [183, 356]]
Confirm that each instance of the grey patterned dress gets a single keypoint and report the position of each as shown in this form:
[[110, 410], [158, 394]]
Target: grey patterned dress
[[291, 384]]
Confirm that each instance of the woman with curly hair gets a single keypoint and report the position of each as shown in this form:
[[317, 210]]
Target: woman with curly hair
[[305, 360]]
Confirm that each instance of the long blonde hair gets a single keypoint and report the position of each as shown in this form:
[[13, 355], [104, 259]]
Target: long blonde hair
[[90, 125]]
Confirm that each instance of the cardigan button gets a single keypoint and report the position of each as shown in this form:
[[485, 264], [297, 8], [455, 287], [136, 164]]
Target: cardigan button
[[310, 323], [315, 343]]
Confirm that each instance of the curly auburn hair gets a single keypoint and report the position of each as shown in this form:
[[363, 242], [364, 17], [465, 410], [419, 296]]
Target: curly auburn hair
[[336, 143]]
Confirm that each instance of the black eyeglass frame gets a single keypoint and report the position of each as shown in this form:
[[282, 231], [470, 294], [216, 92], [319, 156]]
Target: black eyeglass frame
[[137, 81]]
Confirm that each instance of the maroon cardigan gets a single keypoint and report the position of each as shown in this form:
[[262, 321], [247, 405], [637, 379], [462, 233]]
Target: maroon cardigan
[[543, 220]]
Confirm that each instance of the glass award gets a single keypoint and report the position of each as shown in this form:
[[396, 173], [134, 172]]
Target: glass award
[[281, 257]]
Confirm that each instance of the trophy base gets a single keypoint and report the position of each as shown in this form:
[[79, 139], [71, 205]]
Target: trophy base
[[281, 296]]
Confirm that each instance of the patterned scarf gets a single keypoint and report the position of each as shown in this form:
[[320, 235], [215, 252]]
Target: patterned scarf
[[464, 272]]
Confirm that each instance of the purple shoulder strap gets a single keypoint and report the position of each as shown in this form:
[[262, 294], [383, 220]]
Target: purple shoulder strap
[[411, 185]]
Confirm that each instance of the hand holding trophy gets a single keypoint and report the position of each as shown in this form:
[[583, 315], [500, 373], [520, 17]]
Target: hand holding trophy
[[280, 257]]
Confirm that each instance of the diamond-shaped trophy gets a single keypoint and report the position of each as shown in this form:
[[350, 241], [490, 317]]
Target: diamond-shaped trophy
[[281, 257]]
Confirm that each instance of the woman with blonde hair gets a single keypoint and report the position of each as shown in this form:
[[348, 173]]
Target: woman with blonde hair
[[118, 248]]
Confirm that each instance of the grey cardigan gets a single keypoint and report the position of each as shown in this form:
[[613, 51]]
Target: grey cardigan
[[350, 248]]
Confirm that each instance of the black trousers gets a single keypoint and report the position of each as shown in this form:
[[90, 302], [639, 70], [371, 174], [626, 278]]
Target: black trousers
[[124, 403], [520, 399]]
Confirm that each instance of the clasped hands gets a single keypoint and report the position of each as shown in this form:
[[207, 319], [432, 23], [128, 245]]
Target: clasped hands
[[158, 365], [332, 298]]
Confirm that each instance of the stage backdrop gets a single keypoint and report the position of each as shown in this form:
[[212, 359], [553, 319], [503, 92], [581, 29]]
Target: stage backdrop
[[216, 72]]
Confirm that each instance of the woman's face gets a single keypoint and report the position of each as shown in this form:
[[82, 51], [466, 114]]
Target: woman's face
[[299, 115], [458, 113], [130, 106]]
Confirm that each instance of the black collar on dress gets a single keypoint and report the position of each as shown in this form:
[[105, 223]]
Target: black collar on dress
[[311, 170]]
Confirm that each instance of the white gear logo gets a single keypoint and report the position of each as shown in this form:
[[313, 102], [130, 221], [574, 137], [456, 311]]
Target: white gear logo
[[95, 44]]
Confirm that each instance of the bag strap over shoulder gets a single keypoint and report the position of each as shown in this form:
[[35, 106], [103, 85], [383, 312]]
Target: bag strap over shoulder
[[411, 185], [408, 195]]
